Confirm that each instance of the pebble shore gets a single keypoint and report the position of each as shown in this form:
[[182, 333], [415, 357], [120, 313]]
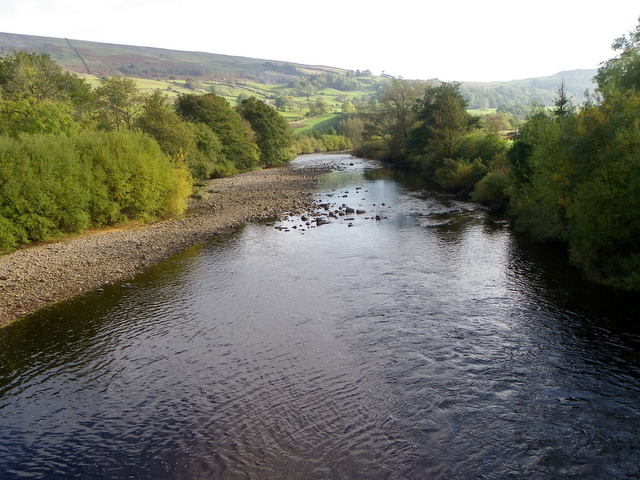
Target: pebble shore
[[35, 277]]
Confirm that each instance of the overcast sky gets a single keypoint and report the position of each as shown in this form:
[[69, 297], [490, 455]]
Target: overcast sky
[[451, 40]]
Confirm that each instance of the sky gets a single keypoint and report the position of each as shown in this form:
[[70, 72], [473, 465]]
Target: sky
[[463, 40]]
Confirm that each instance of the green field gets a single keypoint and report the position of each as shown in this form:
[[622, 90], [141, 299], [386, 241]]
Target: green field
[[316, 123], [481, 112], [295, 114], [229, 76]]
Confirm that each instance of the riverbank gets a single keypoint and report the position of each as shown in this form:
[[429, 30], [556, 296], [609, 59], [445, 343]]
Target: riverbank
[[38, 276]]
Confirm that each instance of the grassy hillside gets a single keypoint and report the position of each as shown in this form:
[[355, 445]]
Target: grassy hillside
[[295, 113], [233, 77], [108, 59], [540, 90]]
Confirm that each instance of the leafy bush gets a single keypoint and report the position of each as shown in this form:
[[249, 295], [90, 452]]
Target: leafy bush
[[307, 144], [52, 185], [273, 135], [321, 143], [334, 143], [10, 235], [43, 187], [238, 143], [460, 175], [224, 168], [208, 160], [175, 136], [577, 176], [30, 116], [375, 148], [494, 189], [482, 145]]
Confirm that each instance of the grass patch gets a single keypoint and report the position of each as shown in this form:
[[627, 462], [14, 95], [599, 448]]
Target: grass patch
[[317, 123], [480, 112], [295, 115]]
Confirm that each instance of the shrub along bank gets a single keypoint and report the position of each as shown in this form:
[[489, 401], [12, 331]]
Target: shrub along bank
[[55, 185], [73, 157], [572, 175]]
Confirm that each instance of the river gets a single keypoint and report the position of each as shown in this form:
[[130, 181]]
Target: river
[[433, 343]]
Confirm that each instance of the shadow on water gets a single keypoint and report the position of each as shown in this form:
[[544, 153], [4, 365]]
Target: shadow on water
[[546, 271], [62, 331], [544, 267]]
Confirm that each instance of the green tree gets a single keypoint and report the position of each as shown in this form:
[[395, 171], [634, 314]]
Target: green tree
[[399, 98], [208, 160], [238, 140], [348, 107], [577, 176], [281, 103], [318, 107], [621, 73], [562, 102], [442, 122], [159, 120], [36, 77], [389, 118], [119, 102], [397, 112], [543, 166], [27, 115], [37, 95], [498, 121], [604, 218], [273, 135], [352, 127]]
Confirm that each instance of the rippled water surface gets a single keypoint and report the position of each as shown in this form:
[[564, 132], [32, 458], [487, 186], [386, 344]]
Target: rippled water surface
[[432, 344]]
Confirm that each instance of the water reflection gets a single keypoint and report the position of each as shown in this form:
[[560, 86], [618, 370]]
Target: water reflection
[[432, 343]]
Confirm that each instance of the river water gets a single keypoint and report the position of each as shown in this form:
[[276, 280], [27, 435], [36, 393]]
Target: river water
[[431, 344]]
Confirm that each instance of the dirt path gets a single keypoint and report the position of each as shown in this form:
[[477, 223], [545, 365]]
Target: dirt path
[[32, 278]]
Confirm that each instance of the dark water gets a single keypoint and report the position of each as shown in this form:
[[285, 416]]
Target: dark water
[[431, 344]]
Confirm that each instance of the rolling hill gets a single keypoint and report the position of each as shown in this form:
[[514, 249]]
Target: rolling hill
[[231, 76], [106, 59]]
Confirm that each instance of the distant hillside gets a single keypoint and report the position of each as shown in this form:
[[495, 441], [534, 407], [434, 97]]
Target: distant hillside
[[104, 59], [541, 90]]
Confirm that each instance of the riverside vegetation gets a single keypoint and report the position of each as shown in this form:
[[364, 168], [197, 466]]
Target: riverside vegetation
[[569, 175], [572, 174], [73, 157]]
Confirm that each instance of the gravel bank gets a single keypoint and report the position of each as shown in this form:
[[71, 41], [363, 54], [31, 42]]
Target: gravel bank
[[34, 277]]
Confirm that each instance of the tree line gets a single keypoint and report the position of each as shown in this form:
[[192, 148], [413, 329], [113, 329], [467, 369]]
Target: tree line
[[571, 175], [74, 157]]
